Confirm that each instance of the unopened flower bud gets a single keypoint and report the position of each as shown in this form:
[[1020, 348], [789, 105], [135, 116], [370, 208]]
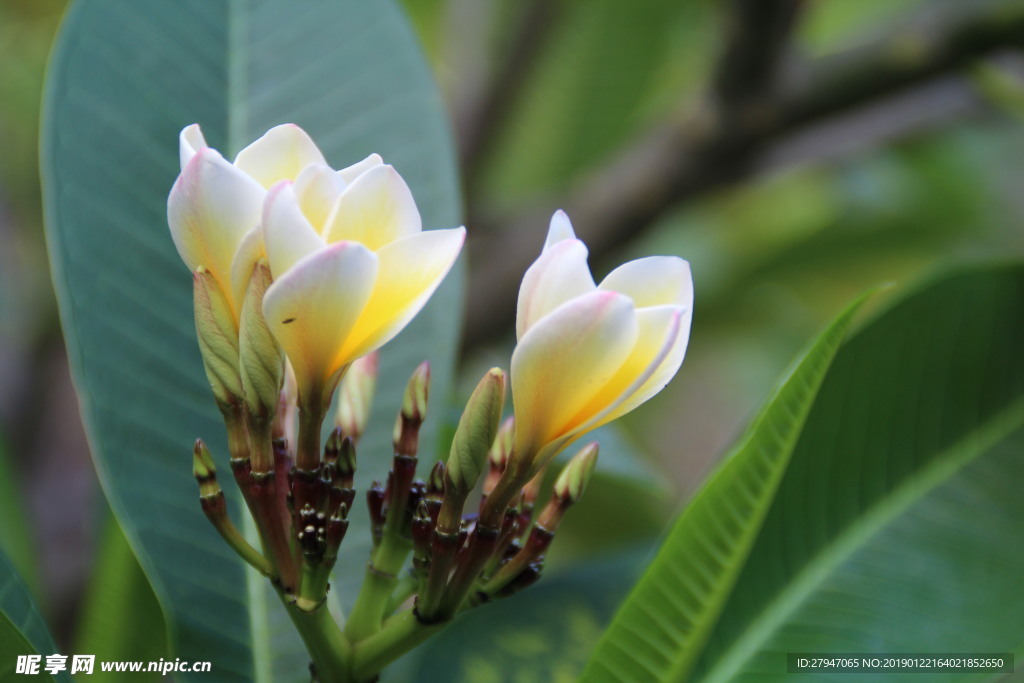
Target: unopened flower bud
[[205, 470], [356, 395], [414, 410], [573, 479], [218, 338], [262, 362], [502, 446], [476, 431]]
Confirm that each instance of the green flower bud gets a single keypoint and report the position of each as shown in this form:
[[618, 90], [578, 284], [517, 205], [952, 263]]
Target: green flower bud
[[204, 470], [573, 479], [476, 431], [262, 362], [218, 338]]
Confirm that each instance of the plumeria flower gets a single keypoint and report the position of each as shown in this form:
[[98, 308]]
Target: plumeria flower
[[587, 353], [215, 206], [351, 265]]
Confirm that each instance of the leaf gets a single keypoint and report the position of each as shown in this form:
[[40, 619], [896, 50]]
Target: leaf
[[15, 532], [896, 527], [124, 79], [542, 634], [660, 629], [121, 618], [22, 629]]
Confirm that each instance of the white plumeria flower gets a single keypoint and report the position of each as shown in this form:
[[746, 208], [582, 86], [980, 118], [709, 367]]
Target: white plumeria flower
[[351, 265], [215, 206], [587, 353], [346, 249]]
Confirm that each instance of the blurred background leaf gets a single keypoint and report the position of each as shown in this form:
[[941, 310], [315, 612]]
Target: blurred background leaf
[[109, 158], [22, 628], [121, 619]]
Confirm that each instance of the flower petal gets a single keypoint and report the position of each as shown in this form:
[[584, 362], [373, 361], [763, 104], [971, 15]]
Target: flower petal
[[559, 229], [376, 209], [280, 154], [350, 173], [316, 189], [287, 234], [411, 269], [211, 207], [561, 273], [653, 281], [660, 346], [311, 310], [190, 141], [564, 360]]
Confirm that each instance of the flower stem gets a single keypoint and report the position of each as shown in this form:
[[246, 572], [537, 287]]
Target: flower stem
[[330, 651], [400, 634]]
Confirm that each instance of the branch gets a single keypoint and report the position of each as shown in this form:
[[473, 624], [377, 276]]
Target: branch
[[722, 142], [487, 114]]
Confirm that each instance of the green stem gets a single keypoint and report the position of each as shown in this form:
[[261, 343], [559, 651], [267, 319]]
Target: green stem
[[371, 604], [400, 634], [406, 588], [330, 651]]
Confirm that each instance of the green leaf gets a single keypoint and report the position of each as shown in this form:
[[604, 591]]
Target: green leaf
[[15, 532], [660, 629], [896, 527], [543, 634], [121, 619], [22, 629], [124, 79]]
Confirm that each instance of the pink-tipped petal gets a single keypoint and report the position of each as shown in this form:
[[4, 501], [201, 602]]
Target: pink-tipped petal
[[558, 275], [564, 360], [190, 141], [211, 207], [653, 281]]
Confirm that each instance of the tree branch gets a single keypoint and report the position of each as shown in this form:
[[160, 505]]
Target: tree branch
[[722, 141]]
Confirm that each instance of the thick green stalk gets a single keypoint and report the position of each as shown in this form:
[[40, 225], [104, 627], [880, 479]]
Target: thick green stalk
[[400, 634], [330, 651]]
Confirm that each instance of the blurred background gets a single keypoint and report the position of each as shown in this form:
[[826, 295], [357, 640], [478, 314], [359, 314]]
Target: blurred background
[[795, 152]]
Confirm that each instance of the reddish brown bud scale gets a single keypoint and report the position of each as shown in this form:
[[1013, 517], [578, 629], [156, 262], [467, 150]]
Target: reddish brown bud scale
[[526, 578]]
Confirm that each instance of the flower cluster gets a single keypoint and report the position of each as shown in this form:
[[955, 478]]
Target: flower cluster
[[301, 272]]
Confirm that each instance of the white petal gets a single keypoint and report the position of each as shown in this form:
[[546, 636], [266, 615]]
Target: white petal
[[287, 235], [559, 229], [211, 207], [411, 269], [653, 281], [280, 154], [190, 141], [316, 189], [564, 360], [654, 361], [350, 173], [311, 310], [376, 209], [561, 273]]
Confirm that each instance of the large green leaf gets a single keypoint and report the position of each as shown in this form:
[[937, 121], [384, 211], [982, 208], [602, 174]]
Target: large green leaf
[[896, 527], [22, 629], [120, 617], [124, 79], [660, 629], [15, 532]]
